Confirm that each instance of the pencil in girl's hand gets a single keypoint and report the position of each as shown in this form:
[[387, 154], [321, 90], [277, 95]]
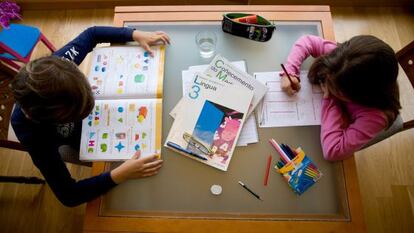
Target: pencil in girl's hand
[[294, 86]]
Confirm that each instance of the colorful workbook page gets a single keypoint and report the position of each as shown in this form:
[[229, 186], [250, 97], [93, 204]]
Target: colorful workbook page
[[249, 132], [209, 121], [278, 109], [116, 129], [127, 72], [222, 70]]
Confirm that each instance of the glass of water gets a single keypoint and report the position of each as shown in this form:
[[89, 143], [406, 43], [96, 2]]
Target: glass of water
[[206, 43]]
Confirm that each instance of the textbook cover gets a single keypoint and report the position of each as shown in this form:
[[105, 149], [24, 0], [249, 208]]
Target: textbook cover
[[127, 84], [223, 70], [208, 122]]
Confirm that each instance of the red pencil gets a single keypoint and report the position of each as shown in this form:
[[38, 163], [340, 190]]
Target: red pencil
[[290, 79], [269, 162]]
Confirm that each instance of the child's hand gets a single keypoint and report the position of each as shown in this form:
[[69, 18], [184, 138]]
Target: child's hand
[[324, 90], [146, 39], [287, 86], [136, 167]]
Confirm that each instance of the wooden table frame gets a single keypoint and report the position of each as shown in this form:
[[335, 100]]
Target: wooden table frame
[[95, 222]]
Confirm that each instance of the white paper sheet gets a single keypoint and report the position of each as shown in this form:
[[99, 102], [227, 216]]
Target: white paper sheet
[[278, 109]]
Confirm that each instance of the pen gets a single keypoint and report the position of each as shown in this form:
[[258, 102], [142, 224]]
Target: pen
[[178, 147], [294, 87], [250, 191]]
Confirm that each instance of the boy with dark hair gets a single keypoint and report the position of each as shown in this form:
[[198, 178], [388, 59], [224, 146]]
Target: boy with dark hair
[[53, 96]]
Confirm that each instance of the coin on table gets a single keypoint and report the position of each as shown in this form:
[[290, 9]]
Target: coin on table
[[216, 189]]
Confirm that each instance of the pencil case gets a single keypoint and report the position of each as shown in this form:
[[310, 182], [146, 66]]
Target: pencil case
[[250, 26], [300, 173]]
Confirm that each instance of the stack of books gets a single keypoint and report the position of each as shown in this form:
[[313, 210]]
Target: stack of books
[[209, 118]]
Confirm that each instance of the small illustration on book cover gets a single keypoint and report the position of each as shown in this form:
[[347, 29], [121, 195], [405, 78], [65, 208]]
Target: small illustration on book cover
[[215, 132]]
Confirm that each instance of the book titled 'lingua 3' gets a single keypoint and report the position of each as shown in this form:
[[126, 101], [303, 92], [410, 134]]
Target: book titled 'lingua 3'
[[209, 120]]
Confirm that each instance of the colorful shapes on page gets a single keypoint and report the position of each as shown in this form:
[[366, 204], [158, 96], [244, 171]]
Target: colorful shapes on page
[[96, 68], [145, 68], [104, 147], [131, 108], [120, 120], [141, 118], [137, 147], [104, 135], [120, 135], [119, 91], [91, 134], [120, 109], [137, 65], [146, 54], [136, 137], [139, 78], [119, 147], [144, 135], [103, 69], [143, 111], [91, 143]]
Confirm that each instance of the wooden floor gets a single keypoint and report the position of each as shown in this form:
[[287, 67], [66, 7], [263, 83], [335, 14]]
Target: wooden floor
[[386, 170]]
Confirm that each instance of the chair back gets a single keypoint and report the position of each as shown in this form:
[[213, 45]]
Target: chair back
[[6, 108], [406, 59]]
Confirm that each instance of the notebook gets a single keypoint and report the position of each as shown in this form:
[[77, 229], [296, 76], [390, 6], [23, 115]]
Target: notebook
[[127, 84]]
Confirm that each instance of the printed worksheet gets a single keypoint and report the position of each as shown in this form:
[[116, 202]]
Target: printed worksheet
[[278, 109], [116, 129], [127, 72]]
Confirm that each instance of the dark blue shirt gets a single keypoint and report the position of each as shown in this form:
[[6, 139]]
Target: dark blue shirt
[[43, 140]]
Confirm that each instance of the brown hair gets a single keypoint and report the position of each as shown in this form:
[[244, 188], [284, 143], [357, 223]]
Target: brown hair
[[53, 90], [363, 69]]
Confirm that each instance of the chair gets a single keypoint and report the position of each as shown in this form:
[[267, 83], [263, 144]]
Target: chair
[[7, 137], [17, 43], [405, 58], [6, 106]]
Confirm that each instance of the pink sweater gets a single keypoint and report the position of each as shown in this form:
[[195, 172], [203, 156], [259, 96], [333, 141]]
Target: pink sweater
[[339, 138]]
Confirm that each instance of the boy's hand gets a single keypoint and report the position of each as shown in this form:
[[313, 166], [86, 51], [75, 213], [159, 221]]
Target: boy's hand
[[287, 86], [136, 167], [146, 39]]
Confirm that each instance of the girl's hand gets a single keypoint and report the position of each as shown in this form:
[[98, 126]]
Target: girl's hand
[[324, 90], [146, 39], [287, 86], [136, 167]]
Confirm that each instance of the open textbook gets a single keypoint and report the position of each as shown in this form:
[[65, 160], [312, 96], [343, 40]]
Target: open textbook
[[208, 123], [249, 132], [127, 84], [280, 109]]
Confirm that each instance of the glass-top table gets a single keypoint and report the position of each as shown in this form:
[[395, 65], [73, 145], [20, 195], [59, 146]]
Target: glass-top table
[[181, 190]]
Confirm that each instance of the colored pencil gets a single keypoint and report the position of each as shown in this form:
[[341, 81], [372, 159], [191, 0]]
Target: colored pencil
[[269, 162], [282, 154]]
